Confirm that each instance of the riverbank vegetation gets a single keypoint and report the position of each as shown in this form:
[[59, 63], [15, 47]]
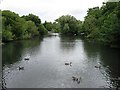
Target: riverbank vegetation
[[15, 27], [101, 24]]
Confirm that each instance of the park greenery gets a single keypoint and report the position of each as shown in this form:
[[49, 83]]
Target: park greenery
[[101, 24], [15, 27]]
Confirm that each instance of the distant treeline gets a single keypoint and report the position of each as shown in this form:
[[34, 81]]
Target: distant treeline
[[101, 24]]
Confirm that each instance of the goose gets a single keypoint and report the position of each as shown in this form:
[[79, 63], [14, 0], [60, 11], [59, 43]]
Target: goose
[[76, 79], [26, 58], [68, 63], [21, 68], [97, 66]]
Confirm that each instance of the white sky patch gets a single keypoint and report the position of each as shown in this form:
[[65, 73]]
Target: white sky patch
[[50, 10]]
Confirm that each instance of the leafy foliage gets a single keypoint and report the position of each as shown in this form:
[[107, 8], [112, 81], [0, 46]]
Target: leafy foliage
[[48, 25], [103, 23], [42, 30], [68, 24], [33, 18], [100, 24], [14, 27], [7, 35]]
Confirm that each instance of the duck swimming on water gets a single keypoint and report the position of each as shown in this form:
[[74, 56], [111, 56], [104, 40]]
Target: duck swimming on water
[[68, 63], [76, 79], [21, 68], [26, 58], [97, 66]]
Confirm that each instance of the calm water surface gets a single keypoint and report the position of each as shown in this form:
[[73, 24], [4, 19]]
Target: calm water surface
[[46, 67]]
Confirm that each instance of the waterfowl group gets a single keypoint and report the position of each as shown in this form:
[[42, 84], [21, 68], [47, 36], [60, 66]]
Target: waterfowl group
[[77, 79], [22, 68]]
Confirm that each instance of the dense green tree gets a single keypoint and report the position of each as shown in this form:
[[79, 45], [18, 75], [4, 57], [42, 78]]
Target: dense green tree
[[13, 23], [48, 25], [33, 18], [52, 27], [91, 23], [6, 35], [14, 27], [103, 23], [42, 30], [56, 27], [31, 29], [68, 21], [65, 29]]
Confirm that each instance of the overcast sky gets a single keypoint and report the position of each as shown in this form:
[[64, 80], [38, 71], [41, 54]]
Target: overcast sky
[[50, 10]]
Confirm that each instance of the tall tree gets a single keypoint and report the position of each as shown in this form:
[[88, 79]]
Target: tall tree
[[68, 24], [33, 18]]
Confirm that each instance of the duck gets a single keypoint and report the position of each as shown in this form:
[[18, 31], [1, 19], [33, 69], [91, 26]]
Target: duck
[[97, 66], [21, 68], [68, 63], [76, 79], [26, 58]]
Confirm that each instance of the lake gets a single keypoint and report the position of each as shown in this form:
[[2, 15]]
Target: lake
[[97, 65]]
